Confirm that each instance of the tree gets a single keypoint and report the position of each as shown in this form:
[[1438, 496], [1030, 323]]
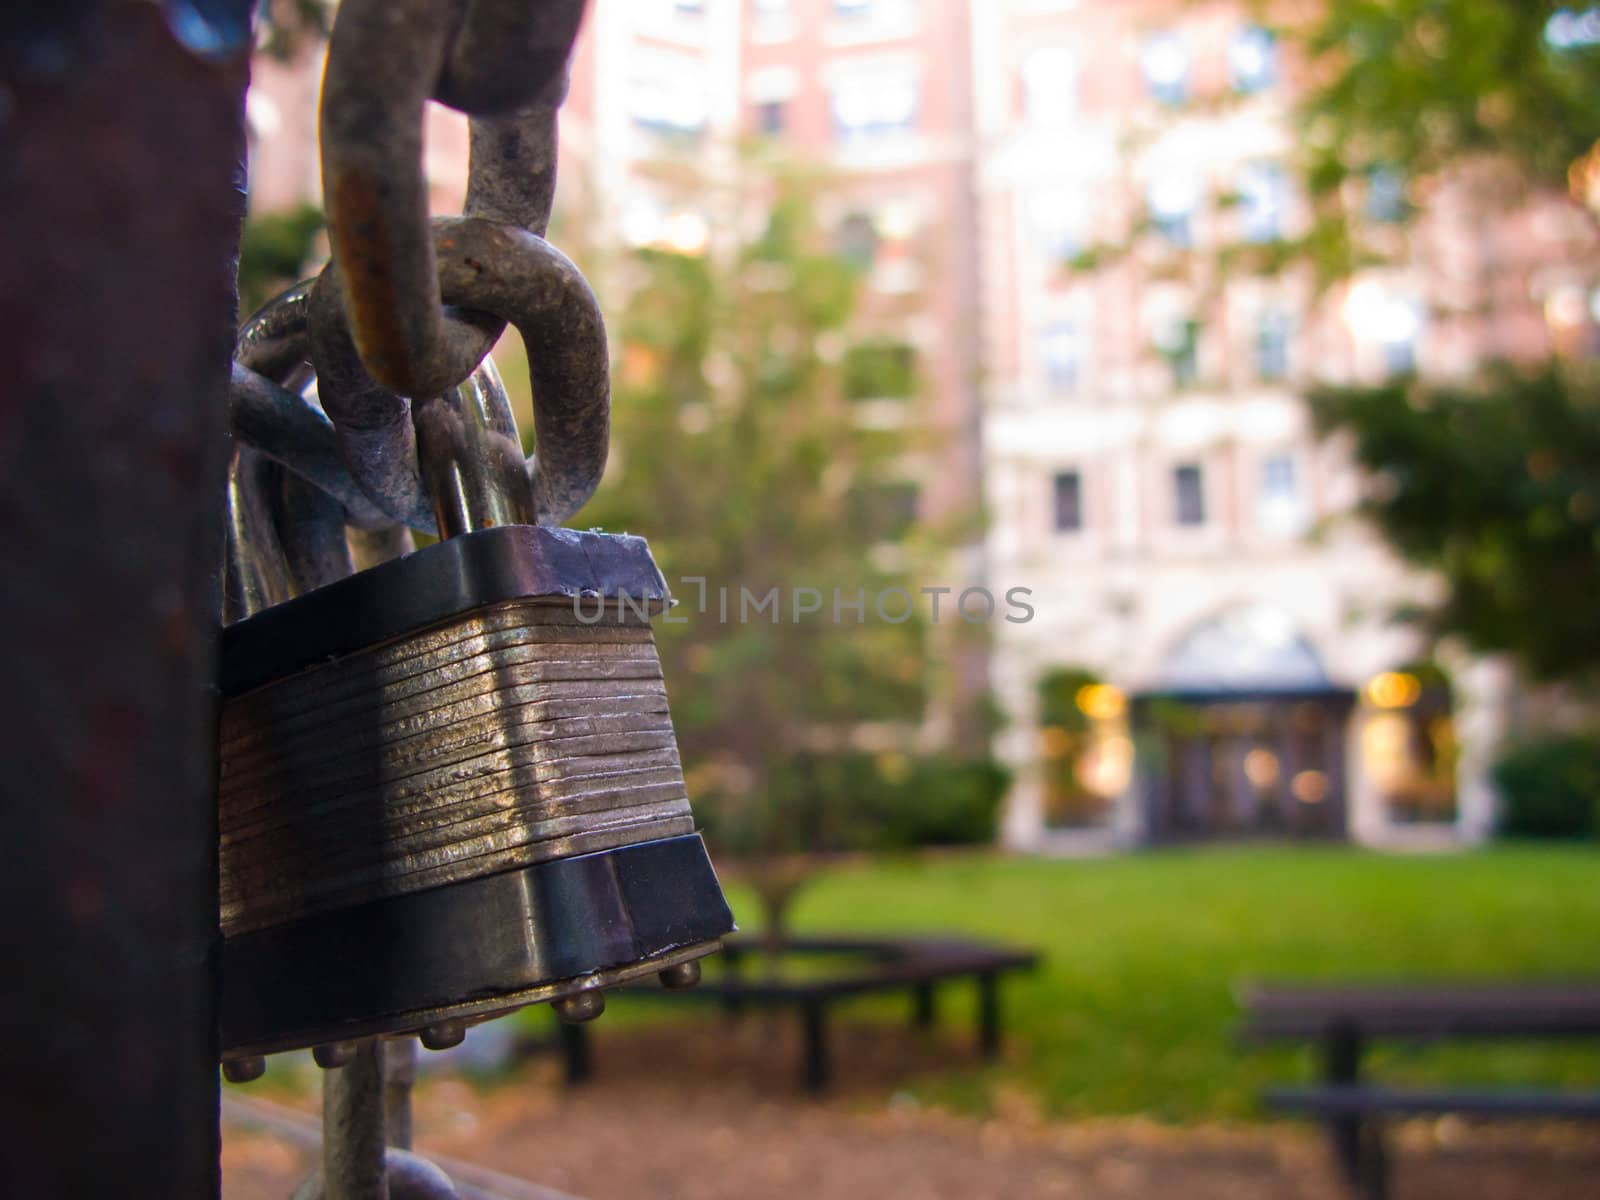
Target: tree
[[738, 450], [1496, 486], [1485, 482]]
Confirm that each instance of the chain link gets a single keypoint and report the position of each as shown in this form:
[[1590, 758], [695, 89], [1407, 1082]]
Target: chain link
[[411, 425]]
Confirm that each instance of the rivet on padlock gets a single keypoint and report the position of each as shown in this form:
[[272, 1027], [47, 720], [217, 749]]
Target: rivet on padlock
[[442, 1035]]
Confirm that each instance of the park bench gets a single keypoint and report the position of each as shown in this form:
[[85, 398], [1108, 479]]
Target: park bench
[[1344, 1019], [918, 966]]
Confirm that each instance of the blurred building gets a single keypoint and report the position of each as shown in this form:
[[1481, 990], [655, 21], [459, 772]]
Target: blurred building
[[1040, 192], [877, 93], [1213, 653]]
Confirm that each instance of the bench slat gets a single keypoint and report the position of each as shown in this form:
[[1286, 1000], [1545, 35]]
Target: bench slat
[[1433, 1010], [1351, 1100]]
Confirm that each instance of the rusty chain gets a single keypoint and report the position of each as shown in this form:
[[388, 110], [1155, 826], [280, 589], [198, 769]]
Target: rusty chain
[[411, 425]]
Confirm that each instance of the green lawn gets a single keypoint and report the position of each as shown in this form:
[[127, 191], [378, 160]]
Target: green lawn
[[1132, 1010]]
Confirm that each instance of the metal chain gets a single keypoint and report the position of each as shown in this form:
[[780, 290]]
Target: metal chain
[[412, 426]]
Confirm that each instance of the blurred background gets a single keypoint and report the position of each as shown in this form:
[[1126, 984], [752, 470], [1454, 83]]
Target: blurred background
[[1131, 476]]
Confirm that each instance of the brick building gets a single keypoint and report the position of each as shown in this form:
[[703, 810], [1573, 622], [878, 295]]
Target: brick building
[[1130, 424]]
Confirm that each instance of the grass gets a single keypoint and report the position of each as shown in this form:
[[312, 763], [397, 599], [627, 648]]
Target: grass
[[1133, 1009]]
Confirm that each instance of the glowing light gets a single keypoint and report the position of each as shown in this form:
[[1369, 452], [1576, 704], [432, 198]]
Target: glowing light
[[687, 232], [1107, 765], [1309, 787], [1261, 768], [1100, 701], [1394, 689], [1565, 308]]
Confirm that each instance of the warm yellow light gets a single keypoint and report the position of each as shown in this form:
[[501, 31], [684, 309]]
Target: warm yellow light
[[1394, 689], [1107, 766], [1100, 701], [1261, 768], [1309, 787], [1583, 178]]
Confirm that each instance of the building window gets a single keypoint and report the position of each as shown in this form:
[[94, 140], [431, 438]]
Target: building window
[[1172, 200], [1278, 507], [1386, 196], [668, 95], [1165, 64], [1571, 29], [1272, 346], [876, 104], [1188, 492], [1400, 351], [1263, 196], [1399, 331], [1057, 217], [880, 369], [1179, 343], [770, 116], [856, 240], [1380, 316], [1252, 59], [1068, 502], [1050, 86], [1061, 348]]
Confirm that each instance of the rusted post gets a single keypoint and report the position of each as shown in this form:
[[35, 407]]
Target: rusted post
[[121, 140]]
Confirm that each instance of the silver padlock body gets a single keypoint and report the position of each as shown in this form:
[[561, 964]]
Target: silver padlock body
[[443, 732]]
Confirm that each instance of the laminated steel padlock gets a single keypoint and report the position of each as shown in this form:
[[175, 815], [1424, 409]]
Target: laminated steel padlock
[[448, 784]]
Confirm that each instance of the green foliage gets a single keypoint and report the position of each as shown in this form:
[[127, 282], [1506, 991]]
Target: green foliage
[[1550, 788], [839, 803], [1414, 90], [879, 369], [1496, 485], [273, 251], [1058, 698], [945, 801], [1421, 85], [737, 451]]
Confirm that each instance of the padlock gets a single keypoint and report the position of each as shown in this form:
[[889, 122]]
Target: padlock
[[448, 784]]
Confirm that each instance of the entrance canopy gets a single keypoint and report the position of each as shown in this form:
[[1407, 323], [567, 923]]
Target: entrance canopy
[[1249, 651]]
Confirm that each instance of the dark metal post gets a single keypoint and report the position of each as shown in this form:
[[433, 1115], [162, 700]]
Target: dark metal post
[[923, 1008], [989, 1013], [121, 141], [733, 971], [1357, 1141], [575, 1051], [814, 1031]]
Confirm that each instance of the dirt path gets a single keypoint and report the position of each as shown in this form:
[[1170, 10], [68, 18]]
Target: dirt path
[[703, 1116]]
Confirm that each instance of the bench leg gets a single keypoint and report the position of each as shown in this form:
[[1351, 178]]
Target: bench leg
[[815, 1034], [1374, 1162], [989, 1014], [923, 1011], [1358, 1145], [575, 1052], [733, 969]]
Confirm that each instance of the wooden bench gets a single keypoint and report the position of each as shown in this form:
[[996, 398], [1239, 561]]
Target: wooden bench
[[1343, 1020], [868, 966]]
